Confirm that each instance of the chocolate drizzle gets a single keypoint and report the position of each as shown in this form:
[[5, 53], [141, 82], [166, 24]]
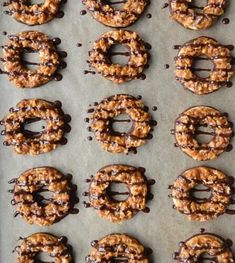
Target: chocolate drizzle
[[197, 10], [165, 5], [219, 186], [89, 72], [107, 199], [33, 14], [114, 13], [154, 108], [203, 247], [222, 64], [100, 57], [56, 247], [109, 130], [225, 21], [49, 45], [83, 12], [60, 14], [121, 249], [187, 126], [27, 192], [36, 137]]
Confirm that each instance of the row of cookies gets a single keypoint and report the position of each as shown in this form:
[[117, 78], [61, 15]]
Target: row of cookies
[[34, 208], [125, 248], [103, 115], [106, 143], [202, 48], [184, 12]]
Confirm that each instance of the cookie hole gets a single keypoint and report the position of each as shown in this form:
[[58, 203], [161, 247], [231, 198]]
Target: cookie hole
[[206, 258], [119, 54], [204, 134], [198, 5], [117, 4], [43, 197], [202, 66], [30, 59], [200, 193], [118, 191], [34, 127], [35, 2], [121, 123], [43, 258]]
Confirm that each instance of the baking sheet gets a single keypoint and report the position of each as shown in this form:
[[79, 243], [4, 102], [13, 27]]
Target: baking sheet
[[163, 227]]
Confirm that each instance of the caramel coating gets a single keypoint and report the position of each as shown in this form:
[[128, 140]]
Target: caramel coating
[[100, 58], [35, 14], [113, 106], [118, 246], [186, 128], [30, 205], [47, 243], [216, 181], [30, 110], [190, 18], [20, 75], [219, 76], [215, 246], [109, 16], [110, 209]]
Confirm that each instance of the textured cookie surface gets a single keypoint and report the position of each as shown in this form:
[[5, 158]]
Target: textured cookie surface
[[101, 61], [202, 209], [109, 208], [33, 110], [110, 108], [33, 41], [187, 127]]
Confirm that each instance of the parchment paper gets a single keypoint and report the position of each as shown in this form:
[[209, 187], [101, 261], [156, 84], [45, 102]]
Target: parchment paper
[[163, 227]]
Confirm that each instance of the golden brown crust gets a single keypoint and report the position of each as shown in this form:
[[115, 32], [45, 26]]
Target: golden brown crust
[[118, 211], [186, 128], [35, 14], [200, 244], [116, 246], [47, 243], [100, 60], [216, 181], [113, 106], [20, 75], [30, 204], [191, 18], [28, 111], [215, 52], [109, 16]]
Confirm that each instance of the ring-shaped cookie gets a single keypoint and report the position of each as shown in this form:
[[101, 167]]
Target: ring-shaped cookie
[[37, 243], [210, 49], [31, 206], [193, 249], [111, 107], [32, 110], [107, 207], [118, 246], [190, 18], [18, 73], [103, 12], [206, 209], [186, 129], [35, 14], [99, 57]]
